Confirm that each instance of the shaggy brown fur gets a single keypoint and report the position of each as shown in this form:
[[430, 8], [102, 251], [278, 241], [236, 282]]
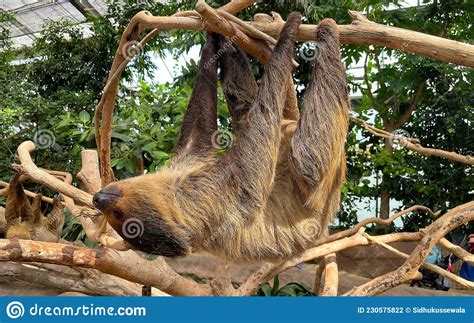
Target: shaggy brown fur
[[26, 221], [274, 191]]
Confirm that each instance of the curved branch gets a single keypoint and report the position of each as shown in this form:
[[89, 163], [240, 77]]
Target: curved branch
[[409, 270], [379, 221], [457, 251], [87, 281], [43, 177]]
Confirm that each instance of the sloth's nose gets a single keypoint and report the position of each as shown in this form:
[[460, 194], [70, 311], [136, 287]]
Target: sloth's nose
[[106, 197]]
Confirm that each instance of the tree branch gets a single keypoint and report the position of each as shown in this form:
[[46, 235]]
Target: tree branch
[[267, 271], [413, 104], [42, 177], [331, 276], [87, 281], [124, 264], [457, 251], [413, 144], [409, 270], [426, 265]]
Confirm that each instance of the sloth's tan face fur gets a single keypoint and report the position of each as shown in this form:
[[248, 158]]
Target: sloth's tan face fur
[[140, 210]]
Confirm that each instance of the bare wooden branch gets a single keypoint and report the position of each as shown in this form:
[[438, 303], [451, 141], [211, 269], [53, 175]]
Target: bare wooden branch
[[28, 193], [89, 174], [364, 32], [267, 271], [234, 6], [331, 276], [409, 270], [318, 279], [412, 144], [426, 265], [457, 251], [87, 281], [42, 177], [379, 221], [124, 264], [221, 284]]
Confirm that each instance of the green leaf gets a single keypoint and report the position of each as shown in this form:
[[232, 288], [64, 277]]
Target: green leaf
[[84, 116], [276, 285]]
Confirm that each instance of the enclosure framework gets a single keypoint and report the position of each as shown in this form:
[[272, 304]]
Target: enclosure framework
[[256, 38]]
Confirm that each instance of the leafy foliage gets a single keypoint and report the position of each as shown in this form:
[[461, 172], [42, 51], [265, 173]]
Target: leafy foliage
[[290, 289]]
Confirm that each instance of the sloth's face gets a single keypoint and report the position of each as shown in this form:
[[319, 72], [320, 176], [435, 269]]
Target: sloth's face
[[138, 212]]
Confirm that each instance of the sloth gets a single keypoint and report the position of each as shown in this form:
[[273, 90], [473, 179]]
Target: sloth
[[274, 190], [26, 221]]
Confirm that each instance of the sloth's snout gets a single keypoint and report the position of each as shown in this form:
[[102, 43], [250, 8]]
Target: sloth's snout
[[106, 197]]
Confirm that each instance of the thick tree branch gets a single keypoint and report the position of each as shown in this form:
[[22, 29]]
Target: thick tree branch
[[124, 264], [331, 276], [365, 32], [87, 281]]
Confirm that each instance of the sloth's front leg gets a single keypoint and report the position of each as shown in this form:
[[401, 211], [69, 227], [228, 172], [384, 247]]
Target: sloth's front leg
[[200, 118]]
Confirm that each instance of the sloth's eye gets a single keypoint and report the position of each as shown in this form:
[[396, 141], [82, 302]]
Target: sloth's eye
[[117, 214]]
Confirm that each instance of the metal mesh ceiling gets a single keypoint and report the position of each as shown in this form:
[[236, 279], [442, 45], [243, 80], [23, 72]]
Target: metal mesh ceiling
[[31, 15]]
